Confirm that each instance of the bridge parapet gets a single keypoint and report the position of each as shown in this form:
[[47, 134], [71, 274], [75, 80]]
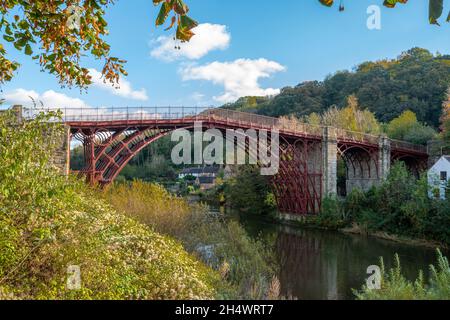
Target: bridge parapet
[[403, 145]]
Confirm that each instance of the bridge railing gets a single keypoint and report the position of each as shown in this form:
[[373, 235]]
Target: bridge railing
[[88, 114], [403, 145]]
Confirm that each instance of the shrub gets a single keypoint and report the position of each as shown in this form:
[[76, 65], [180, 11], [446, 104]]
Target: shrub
[[394, 286], [331, 215], [246, 264], [49, 222]]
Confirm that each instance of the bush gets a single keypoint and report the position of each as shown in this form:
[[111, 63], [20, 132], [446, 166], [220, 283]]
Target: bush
[[331, 215], [246, 264], [49, 222], [394, 286]]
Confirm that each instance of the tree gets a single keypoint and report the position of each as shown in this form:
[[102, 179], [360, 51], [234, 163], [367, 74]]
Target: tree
[[445, 120], [436, 8], [351, 118], [407, 128], [57, 33], [416, 80]]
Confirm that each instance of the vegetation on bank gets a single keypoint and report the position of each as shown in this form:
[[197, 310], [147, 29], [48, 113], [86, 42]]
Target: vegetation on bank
[[245, 191], [247, 266], [394, 285], [49, 222], [400, 206]]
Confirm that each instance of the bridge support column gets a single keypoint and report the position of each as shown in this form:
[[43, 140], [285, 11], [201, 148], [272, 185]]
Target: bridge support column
[[384, 157], [329, 162]]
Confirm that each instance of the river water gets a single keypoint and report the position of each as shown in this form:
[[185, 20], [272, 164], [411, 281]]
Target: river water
[[317, 264]]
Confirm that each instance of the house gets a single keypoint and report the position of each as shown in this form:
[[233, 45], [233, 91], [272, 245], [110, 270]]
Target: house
[[210, 171], [194, 172], [438, 178], [207, 171], [205, 183]]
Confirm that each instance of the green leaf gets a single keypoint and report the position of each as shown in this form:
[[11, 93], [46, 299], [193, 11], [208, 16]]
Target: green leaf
[[164, 13], [184, 34], [28, 50], [448, 18], [436, 9], [188, 23], [8, 38], [180, 7]]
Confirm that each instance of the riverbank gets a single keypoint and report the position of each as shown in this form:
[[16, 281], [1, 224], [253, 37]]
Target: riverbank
[[313, 223]]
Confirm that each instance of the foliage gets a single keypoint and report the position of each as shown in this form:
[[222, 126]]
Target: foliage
[[435, 8], [49, 222], [445, 121], [406, 127], [399, 206], [249, 191], [58, 33], [244, 263], [331, 215], [349, 118], [394, 286], [416, 80]]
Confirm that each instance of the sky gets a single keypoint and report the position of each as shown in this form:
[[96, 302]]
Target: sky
[[251, 47]]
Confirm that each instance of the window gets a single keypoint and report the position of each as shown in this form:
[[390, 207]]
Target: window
[[444, 175]]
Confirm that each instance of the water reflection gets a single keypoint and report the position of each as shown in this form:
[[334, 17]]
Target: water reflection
[[316, 264]]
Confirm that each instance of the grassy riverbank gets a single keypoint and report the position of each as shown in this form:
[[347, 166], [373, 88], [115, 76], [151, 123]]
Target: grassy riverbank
[[247, 266]]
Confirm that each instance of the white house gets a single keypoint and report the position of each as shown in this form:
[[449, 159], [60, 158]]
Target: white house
[[438, 178]]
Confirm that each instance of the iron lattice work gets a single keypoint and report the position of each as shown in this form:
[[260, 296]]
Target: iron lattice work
[[107, 152], [298, 184]]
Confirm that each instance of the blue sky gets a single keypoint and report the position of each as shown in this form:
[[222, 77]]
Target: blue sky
[[242, 48]]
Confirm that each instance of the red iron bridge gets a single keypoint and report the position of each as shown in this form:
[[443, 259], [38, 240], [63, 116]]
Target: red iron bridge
[[308, 156]]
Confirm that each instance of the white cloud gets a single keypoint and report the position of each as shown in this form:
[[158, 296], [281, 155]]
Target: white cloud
[[49, 99], [208, 37], [239, 78], [124, 89]]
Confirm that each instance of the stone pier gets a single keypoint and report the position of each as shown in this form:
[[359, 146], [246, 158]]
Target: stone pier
[[329, 162]]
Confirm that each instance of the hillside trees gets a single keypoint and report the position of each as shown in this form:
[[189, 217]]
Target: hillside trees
[[416, 80], [445, 121]]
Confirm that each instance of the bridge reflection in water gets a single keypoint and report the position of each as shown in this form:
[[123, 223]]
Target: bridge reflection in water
[[319, 264]]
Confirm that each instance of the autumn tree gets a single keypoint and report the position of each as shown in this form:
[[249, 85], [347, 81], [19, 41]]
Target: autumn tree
[[406, 127], [351, 118], [57, 33]]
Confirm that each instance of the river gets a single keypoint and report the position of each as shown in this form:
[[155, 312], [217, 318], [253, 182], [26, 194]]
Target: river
[[318, 264]]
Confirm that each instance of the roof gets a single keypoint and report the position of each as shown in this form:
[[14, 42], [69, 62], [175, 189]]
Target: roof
[[206, 180], [207, 169], [447, 158], [211, 169], [192, 171]]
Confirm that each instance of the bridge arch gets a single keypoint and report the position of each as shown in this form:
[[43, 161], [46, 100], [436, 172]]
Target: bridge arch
[[361, 165]]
